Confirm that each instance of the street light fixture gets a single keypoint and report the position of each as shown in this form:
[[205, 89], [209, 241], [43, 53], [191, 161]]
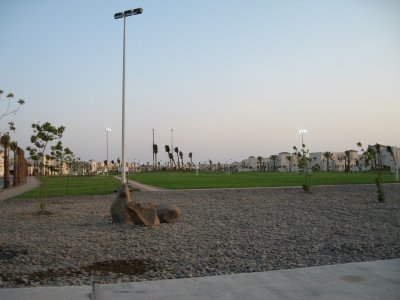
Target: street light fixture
[[302, 131], [127, 13], [107, 131]]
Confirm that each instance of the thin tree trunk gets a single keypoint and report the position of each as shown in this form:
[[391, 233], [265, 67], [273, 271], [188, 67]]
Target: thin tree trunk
[[22, 167]]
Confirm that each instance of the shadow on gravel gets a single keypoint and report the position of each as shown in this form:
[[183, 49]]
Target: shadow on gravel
[[126, 267], [118, 267], [9, 252]]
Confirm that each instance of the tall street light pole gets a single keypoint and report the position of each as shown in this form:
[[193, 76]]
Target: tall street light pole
[[107, 131], [127, 13]]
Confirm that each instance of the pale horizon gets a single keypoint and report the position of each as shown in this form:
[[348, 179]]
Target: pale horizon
[[233, 79]]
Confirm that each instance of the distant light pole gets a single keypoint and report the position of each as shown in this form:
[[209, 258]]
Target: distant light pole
[[302, 132], [153, 151], [107, 131], [172, 140], [397, 169], [127, 13]]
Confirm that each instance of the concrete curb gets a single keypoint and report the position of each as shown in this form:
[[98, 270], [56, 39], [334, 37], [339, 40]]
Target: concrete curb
[[362, 280]]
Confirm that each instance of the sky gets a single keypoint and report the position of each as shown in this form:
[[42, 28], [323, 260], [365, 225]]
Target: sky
[[231, 78]]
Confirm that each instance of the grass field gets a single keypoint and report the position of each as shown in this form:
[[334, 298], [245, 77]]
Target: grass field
[[58, 186], [189, 180]]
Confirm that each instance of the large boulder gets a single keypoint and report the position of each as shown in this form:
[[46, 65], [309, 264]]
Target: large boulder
[[168, 213], [143, 214], [119, 213], [126, 211]]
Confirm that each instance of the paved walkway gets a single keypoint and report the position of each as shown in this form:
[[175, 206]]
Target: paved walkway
[[142, 187], [366, 280], [13, 191]]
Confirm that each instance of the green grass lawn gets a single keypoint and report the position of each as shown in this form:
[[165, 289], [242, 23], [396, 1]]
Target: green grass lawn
[[189, 180], [58, 186]]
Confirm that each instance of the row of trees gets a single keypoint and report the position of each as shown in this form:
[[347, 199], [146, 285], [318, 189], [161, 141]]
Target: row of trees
[[172, 162], [372, 158], [113, 165], [20, 164], [328, 156], [372, 153], [179, 156]]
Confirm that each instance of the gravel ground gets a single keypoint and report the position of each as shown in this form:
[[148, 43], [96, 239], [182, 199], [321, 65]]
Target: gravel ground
[[220, 232]]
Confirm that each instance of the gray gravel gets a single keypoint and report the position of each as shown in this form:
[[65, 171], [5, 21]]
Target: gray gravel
[[220, 232]]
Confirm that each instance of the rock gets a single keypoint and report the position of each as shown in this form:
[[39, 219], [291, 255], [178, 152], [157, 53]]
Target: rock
[[119, 212], [143, 214], [126, 211], [168, 213]]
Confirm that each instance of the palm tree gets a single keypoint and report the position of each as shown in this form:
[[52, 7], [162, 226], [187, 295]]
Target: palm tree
[[289, 158], [22, 166], [155, 152], [259, 158], [171, 159], [379, 153], [181, 156], [347, 160], [396, 172], [168, 150], [328, 156], [191, 161], [368, 155], [274, 159], [105, 164], [390, 150], [14, 147], [372, 155], [5, 142], [177, 154]]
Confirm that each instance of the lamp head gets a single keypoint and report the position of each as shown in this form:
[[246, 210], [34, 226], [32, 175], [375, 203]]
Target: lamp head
[[118, 15], [127, 13]]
